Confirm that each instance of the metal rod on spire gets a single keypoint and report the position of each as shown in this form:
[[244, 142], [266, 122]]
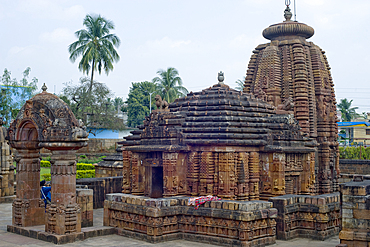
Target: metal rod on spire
[[287, 2], [295, 13]]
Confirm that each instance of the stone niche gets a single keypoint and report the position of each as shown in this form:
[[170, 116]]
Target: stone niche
[[45, 121]]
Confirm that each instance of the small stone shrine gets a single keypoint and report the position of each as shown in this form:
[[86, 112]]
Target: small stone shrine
[[293, 75], [45, 121], [7, 169]]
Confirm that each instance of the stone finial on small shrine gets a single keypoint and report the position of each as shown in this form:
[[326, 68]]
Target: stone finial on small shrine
[[221, 77], [287, 13], [44, 88]]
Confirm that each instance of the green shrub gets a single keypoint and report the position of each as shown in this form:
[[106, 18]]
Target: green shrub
[[90, 161], [354, 153], [84, 166], [44, 163], [46, 177], [48, 158], [85, 174]]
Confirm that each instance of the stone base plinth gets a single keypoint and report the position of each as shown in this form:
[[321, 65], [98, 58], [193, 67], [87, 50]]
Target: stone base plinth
[[305, 216], [85, 202], [355, 199], [227, 223], [38, 232]]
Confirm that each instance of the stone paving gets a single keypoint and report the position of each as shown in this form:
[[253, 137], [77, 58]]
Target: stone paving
[[11, 239]]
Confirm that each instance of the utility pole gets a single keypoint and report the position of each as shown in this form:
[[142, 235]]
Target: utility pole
[[150, 104]]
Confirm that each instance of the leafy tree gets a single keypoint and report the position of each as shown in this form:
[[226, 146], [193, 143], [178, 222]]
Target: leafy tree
[[96, 46], [240, 84], [13, 94], [138, 102], [95, 108], [118, 103], [169, 84], [348, 112]]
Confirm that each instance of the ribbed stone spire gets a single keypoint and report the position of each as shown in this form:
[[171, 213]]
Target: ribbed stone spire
[[288, 29]]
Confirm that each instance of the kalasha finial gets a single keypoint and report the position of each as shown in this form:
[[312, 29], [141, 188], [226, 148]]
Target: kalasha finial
[[44, 88], [287, 13], [221, 77]]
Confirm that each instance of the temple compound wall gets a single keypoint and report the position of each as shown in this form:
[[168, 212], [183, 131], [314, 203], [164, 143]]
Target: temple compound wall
[[353, 168], [7, 168]]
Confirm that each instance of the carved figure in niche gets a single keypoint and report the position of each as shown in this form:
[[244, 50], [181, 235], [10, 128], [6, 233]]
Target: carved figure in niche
[[161, 104], [221, 182]]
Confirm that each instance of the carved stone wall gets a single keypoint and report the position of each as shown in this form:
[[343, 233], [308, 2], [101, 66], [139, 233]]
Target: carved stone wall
[[219, 222]]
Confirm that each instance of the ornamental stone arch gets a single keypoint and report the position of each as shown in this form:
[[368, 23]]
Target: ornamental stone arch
[[46, 121]]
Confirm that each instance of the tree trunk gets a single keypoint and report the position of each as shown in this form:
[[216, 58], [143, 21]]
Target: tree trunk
[[92, 76]]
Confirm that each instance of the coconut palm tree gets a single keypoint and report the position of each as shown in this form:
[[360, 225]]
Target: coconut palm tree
[[169, 84], [96, 46], [348, 112], [240, 84]]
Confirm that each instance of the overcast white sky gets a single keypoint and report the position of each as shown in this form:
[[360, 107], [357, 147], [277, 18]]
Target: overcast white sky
[[197, 37]]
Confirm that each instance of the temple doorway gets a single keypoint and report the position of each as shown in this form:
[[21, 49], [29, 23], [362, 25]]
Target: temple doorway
[[157, 182]]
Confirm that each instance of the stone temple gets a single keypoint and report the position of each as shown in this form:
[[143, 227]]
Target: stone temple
[[269, 152], [292, 72], [278, 136]]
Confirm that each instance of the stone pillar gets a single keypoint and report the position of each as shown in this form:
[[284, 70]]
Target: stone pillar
[[28, 208], [63, 214]]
